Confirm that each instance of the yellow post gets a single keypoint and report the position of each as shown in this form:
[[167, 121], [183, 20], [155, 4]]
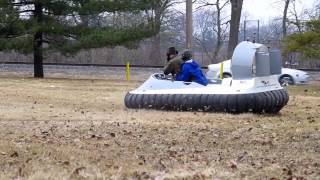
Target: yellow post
[[128, 71], [221, 71]]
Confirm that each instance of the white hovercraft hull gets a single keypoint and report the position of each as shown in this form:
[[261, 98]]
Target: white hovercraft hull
[[259, 94]]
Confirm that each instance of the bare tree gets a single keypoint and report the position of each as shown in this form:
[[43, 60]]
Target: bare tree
[[219, 31], [159, 12], [296, 21], [317, 9], [218, 24], [275, 29], [284, 18], [174, 30], [205, 35], [236, 8], [159, 8]]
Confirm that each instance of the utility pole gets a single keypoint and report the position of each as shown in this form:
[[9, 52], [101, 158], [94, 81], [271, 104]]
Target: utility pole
[[189, 29]]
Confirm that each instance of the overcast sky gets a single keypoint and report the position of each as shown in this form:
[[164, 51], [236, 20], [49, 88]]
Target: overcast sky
[[266, 9]]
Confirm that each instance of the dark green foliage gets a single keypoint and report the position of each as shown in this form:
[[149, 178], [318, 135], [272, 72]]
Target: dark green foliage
[[69, 26], [63, 24], [100, 37], [87, 7], [308, 43], [314, 25]]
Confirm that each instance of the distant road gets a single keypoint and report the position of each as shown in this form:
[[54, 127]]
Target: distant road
[[91, 72]]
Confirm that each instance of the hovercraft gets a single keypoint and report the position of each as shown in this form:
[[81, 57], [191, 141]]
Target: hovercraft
[[254, 87]]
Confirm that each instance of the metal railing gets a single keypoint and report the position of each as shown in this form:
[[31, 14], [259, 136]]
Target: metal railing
[[120, 65]]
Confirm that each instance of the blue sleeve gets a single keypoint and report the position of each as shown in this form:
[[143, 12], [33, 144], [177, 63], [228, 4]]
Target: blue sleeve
[[192, 71], [199, 77], [184, 74]]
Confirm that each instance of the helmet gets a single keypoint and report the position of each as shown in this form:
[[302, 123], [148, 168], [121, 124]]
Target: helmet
[[172, 51], [187, 55]]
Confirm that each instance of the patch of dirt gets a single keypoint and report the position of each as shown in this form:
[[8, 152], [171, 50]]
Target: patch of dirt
[[80, 129]]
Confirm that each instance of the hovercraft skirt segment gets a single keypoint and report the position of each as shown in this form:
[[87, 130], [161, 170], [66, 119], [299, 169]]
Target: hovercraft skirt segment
[[268, 102]]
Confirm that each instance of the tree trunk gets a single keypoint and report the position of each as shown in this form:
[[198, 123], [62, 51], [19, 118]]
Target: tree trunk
[[189, 30], [284, 18], [155, 55], [236, 8], [37, 43], [296, 16], [219, 35]]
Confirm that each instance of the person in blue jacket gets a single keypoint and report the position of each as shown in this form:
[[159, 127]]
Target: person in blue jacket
[[190, 70]]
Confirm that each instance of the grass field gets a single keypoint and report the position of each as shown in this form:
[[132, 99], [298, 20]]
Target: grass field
[[80, 129]]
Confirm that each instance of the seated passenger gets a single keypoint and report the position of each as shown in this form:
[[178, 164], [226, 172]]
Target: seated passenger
[[172, 53], [173, 62], [190, 70]]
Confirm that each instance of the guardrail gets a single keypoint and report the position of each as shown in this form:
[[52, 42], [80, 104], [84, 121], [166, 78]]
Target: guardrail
[[309, 69], [69, 64], [135, 66]]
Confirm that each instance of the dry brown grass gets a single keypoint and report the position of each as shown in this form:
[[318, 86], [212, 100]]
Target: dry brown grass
[[80, 129]]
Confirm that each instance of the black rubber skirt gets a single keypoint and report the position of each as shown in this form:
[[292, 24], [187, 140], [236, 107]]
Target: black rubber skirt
[[262, 102]]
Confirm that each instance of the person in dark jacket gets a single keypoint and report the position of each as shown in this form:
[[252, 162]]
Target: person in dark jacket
[[174, 62], [172, 53], [191, 70]]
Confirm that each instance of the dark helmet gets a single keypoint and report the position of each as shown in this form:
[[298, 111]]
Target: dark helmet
[[172, 51], [187, 55]]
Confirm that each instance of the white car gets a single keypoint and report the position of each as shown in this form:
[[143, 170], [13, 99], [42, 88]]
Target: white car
[[288, 76]]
